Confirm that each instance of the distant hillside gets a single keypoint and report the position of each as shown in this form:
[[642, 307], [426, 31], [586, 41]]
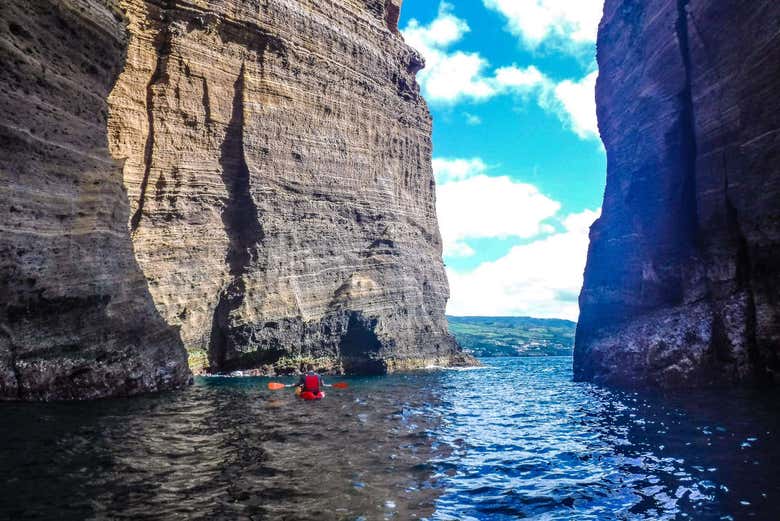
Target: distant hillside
[[513, 336]]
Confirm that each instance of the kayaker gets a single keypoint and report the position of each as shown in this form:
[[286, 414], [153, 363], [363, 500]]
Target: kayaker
[[311, 381]]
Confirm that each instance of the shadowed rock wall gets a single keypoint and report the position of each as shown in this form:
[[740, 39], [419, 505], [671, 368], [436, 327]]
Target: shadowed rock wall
[[682, 285], [76, 317]]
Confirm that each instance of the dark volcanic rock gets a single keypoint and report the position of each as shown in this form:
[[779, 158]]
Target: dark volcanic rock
[[76, 317], [682, 285]]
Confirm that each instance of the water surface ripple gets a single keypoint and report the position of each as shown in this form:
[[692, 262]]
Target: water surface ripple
[[517, 439], [527, 442]]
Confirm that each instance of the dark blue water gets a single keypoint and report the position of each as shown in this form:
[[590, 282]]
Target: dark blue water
[[515, 440], [529, 442]]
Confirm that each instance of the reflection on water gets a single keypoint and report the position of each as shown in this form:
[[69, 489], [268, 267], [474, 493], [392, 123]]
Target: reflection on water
[[529, 442], [515, 440], [223, 449]]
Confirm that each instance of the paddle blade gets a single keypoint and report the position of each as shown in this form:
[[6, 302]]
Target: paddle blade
[[275, 386], [341, 385]]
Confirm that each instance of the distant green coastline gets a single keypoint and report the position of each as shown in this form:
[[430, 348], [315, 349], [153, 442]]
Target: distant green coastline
[[513, 336]]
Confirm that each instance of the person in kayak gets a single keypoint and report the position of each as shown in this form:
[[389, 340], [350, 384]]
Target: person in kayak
[[311, 381]]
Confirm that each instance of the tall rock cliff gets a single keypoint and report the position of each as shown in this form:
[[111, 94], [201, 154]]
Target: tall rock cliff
[[248, 178], [682, 285], [76, 316]]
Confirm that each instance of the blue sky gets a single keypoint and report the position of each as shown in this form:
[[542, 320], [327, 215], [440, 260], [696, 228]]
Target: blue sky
[[519, 165]]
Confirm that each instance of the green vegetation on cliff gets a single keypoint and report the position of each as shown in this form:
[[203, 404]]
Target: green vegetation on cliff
[[513, 336]]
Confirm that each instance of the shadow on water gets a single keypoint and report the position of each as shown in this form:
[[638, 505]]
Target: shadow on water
[[223, 449], [518, 439]]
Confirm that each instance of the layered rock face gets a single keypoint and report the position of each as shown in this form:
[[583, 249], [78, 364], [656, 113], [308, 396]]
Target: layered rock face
[[276, 159], [682, 285], [76, 317]]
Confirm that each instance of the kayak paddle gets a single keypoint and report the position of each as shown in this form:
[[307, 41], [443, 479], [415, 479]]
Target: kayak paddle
[[275, 386]]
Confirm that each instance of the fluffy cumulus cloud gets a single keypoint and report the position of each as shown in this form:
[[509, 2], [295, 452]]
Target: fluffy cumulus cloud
[[452, 76], [575, 104], [567, 24], [521, 80], [541, 279], [446, 170], [485, 207], [448, 75], [474, 205]]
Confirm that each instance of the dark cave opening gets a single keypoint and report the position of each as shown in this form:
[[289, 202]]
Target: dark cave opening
[[360, 346]]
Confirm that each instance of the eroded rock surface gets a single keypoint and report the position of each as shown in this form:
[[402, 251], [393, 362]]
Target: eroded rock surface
[[682, 285], [279, 194], [76, 317], [277, 160]]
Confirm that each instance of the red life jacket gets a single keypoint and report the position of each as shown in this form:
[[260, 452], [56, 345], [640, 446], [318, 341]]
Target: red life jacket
[[312, 383]]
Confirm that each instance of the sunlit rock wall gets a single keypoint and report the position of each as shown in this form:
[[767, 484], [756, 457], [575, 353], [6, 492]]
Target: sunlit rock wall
[[682, 285], [277, 160], [247, 179]]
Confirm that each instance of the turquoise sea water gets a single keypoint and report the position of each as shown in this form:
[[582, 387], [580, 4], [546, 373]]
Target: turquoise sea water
[[515, 440]]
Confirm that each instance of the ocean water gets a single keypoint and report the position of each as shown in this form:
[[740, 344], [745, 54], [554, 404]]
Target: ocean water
[[514, 440]]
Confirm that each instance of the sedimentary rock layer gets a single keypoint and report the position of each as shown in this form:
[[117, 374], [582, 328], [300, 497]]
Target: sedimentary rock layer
[[682, 285], [76, 317], [248, 179], [277, 160]]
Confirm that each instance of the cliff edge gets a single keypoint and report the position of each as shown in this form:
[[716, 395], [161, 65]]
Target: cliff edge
[[247, 180], [682, 285]]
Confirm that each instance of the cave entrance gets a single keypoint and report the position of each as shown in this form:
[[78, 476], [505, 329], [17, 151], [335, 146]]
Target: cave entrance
[[359, 347]]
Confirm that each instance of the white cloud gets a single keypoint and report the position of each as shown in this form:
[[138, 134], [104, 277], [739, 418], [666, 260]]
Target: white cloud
[[448, 76], [446, 170], [459, 249], [453, 76], [517, 79], [540, 279], [477, 206], [567, 24], [575, 104]]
